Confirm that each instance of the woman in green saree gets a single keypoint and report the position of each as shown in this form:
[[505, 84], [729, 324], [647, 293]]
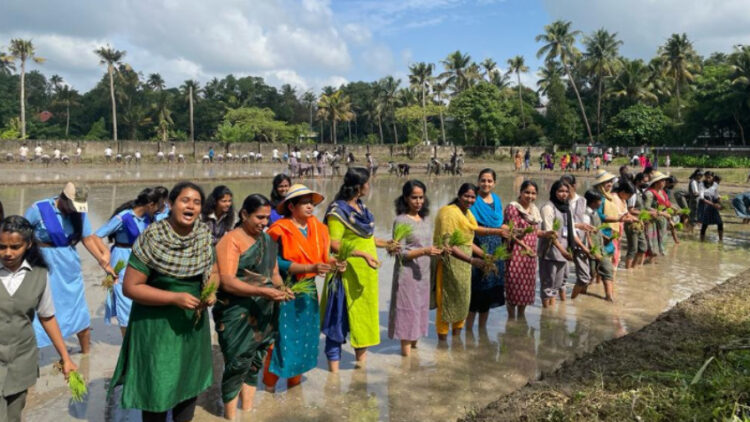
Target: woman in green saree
[[165, 359], [245, 314]]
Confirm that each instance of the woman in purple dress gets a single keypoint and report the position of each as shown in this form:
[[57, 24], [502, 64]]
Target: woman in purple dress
[[410, 295]]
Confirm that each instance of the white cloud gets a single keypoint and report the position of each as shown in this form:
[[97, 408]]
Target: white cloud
[[644, 25]]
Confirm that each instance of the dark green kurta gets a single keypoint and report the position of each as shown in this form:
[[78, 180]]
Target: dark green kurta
[[165, 357]]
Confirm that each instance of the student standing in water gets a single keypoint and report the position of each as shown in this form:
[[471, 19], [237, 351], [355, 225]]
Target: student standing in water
[[304, 245], [165, 358], [245, 314], [59, 224], [24, 295], [128, 221], [487, 289], [408, 317], [520, 269], [553, 251], [349, 221]]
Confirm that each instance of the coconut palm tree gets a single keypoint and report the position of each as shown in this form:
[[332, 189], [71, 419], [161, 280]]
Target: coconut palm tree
[[55, 82], [740, 63], [23, 50], [559, 43], [681, 61], [335, 107], [112, 58], [155, 82], [191, 89], [517, 65], [6, 64], [309, 100], [489, 68], [457, 71], [68, 97], [439, 89], [602, 60], [163, 116], [632, 83], [389, 88], [551, 71], [421, 78]]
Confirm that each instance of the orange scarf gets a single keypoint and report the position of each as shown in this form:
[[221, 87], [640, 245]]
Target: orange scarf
[[299, 249]]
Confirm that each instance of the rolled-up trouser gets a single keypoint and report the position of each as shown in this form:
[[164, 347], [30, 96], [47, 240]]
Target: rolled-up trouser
[[583, 270], [552, 277]]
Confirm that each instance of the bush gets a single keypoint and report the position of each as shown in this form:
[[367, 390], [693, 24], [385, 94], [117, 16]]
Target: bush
[[684, 160]]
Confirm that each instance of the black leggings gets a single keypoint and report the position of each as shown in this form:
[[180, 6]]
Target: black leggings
[[183, 412]]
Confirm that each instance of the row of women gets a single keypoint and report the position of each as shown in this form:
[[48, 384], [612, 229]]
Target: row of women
[[176, 244]]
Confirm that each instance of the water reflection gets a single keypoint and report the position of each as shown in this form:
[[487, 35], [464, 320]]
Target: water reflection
[[434, 383]]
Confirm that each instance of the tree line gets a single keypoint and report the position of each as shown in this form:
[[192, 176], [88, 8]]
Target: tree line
[[587, 92]]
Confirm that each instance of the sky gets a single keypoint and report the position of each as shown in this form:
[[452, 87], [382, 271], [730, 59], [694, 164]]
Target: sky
[[313, 43]]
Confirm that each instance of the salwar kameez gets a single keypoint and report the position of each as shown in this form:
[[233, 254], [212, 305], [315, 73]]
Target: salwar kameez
[[520, 270], [452, 276]]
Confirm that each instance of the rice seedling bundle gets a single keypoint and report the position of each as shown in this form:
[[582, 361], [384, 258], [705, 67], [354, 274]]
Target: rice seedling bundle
[[109, 281], [345, 251], [304, 287], [76, 383], [457, 238], [684, 211], [208, 295], [402, 231]]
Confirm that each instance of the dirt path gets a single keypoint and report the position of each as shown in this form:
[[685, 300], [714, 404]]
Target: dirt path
[[651, 374]]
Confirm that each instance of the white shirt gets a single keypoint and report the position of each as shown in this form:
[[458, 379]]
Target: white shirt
[[38, 150], [138, 155], [275, 153], [315, 154], [57, 153], [173, 149], [108, 152], [12, 281], [78, 151], [24, 151]]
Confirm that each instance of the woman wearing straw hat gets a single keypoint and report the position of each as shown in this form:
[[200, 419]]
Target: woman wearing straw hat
[[303, 245], [613, 210], [657, 202], [59, 224]]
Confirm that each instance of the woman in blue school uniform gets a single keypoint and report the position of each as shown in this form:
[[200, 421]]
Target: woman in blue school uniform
[[60, 222], [127, 222]]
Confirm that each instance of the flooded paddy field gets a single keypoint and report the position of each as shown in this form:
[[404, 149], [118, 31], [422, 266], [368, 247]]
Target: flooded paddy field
[[435, 383]]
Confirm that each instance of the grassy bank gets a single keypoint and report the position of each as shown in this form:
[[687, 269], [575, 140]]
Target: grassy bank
[[689, 364]]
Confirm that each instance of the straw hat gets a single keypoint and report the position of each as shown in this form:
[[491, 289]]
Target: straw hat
[[78, 195], [296, 191], [603, 176], [657, 176]]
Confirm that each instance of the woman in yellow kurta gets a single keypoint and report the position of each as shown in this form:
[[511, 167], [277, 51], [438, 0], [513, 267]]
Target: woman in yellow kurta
[[349, 221], [452, 275]]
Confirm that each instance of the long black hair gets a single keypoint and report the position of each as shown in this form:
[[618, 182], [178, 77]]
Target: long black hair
[[20, 225], [275, 197], [402, 206], [66, 207], [251, 204], [462, 190], [624, 186], [216, 195], [697, 173], [526, 184], [145, 197], [354, 179]]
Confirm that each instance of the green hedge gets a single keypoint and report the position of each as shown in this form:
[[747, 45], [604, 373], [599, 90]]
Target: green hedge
[[684, 160]]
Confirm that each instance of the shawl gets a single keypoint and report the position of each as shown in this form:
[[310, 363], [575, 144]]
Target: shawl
[[162, 249], [661, 199], [485, 215], [299, 249], [532, 216], [361, 223]]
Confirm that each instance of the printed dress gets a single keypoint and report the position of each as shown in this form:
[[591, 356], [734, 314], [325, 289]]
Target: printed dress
[[520, 270], [409, 312]]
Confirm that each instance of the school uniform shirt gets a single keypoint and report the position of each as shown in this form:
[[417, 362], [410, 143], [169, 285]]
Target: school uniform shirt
[[12, 281]]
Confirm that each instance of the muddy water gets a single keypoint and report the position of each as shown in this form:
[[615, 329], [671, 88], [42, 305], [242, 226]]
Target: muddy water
[[436, 383]]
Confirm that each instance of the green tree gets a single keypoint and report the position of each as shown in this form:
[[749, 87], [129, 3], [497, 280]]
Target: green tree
[[421, 78], [112, 58], [155, 82], [163, 116], [67, 97], [191, 90], [559, 43], [388, 87], [632, 84], [740, 78], [439, 89], [563, 127], [23, 50], [517, 65], [602, 60], [483, 113], [459, 71], [309, 100], [681, 62], [97, 131], [637, 125], [6, 64]]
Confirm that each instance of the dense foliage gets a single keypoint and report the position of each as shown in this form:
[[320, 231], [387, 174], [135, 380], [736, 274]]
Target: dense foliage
[[586, 93]]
